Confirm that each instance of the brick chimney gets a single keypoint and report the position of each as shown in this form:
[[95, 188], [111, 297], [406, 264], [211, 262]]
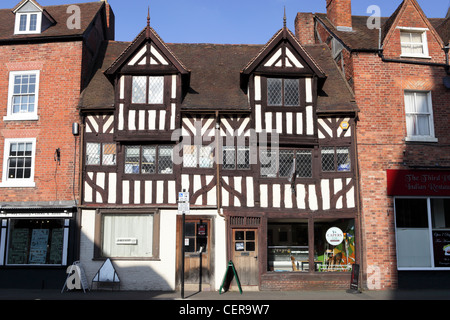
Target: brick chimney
[[304, 27], [339, 12], [110, 21]]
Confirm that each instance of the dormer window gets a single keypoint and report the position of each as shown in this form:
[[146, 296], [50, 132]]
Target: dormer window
[[283, 92], [31, 18], [28, 23], [414, 42]]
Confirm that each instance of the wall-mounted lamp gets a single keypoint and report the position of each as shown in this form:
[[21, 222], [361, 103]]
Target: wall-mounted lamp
[[75, 129]]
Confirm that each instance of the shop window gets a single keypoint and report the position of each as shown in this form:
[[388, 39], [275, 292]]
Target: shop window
[[419, 244], [334, 245], [128, 235], [36, 242], [148, 159]]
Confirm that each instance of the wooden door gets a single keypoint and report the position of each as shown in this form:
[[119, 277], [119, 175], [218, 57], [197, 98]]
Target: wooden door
[[245, 255], [197, 245]]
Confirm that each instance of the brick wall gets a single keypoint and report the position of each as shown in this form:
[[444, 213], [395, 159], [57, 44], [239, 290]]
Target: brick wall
[[59, 89], [339, 12]]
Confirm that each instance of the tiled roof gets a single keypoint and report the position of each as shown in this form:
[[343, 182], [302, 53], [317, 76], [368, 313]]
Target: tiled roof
[[59, 29]]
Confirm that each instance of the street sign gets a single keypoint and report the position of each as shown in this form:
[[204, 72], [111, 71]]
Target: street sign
[[183, 196], [183, 202]]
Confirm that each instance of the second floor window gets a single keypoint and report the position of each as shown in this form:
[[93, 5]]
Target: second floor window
[[23, 95], [147, 90], [419, 115], [414, 43], [283, 92], [148, 159]]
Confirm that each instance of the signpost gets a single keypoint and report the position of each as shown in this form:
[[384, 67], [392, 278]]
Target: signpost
[[183, 208]]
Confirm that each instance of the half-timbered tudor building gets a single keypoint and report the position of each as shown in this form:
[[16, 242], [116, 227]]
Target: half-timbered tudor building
[[262, 138], [398, 69], [46, 53]]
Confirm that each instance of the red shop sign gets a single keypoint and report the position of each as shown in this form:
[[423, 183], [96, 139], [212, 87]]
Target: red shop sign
[[418, 183]]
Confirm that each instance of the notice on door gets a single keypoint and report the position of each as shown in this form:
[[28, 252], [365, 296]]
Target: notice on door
[[441, 245]]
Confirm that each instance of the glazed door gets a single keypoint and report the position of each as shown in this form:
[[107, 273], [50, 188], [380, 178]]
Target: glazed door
[[245, 255], [197, 247]]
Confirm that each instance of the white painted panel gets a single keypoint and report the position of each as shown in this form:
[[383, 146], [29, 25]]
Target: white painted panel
[[309, 120], [197, 186], [125, 192], [162, 119], [172, 116], [308, 84], [160, 191], [225, 198], [313, 205], [273, 58], [301, 194], [152, 119], [276, 194], [137, 192], [148, 192], [141, 119], [250, 192], [258, 124], [287, 196], [112, 187], [174, 86], [101, 180], [264, 196], [122, 87], [325, 186], [211, 197], [350, 196], [172, 192], [138, 56], [257, 88], [120, 121], [132, 120], [268, 121], [108, 124], [158, 56], [289, 124], [87, 192], [299, 123], [185, 181], [279, 122], [326, 128], [294, 60]]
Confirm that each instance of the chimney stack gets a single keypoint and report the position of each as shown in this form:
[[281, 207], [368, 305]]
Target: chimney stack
[[304, 28], [110, 21], [339, 12]]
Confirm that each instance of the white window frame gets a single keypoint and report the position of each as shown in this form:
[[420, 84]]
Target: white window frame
[[18, 183], [10, 116], [423, 32], [423, 138], [27, 29]]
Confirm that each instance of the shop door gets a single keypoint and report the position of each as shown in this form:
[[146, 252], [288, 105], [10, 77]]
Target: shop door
[[197, 269], [245, 256]]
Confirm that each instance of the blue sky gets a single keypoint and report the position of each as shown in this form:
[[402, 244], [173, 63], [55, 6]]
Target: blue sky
[[225, 21]]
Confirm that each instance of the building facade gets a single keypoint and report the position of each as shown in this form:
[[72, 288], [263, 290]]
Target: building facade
[[398, 69], [44, 63]]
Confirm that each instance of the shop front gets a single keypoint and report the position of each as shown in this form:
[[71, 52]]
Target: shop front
[[422, 226], [36, 245]]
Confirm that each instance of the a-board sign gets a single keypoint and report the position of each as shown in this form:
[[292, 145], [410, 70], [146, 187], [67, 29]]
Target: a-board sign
[[76, 278], [230, 273]]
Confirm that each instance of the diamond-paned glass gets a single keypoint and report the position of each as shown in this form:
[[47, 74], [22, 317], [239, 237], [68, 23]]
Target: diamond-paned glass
[[291, 92], [132, 159], [93, 153], [165, 160], [156, 90], [343, 159], [139, 90], [243, 157], [286, 162], [109, 154], [148, 159], [229, 158], [190, 156], [206, 157], [23, 99], [274, 92], [268, 159], [328, 159], [20, 160], [304, 164]]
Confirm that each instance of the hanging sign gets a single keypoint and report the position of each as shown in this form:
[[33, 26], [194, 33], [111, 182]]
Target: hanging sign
[[334, 236]]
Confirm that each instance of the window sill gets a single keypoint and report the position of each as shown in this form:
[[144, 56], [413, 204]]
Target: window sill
[[32, 117], [421, 139], [9, 184], [414, 56]]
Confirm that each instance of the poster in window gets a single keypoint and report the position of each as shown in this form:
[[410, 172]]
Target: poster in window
[[38, 246], [441, 245], [18, 247], [56, 246]]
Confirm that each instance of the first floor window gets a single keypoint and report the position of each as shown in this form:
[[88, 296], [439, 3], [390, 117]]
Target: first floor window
[[335, 159], [235, 157], [128, 235], [18, 164], [286, 163], [149, 159], [419, 115], [100, 154], [36, 241], [423, 232], [198, 156]]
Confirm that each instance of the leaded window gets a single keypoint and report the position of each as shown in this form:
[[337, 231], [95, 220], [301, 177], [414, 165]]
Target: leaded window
[[335, 159], [147, 90], [283, 92], [286, 163], [148, 159]]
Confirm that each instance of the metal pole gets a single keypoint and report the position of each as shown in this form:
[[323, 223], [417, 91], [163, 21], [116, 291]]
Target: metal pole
[[182, 255]]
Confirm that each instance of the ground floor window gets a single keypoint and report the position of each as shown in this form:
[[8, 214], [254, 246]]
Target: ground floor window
[[37, 242], [422, 233], [289, 245], [128, 235]]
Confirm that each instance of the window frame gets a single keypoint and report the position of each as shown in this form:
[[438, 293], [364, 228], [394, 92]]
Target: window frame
[[335, 159], [283, 97], [28, 15], [22, 116], [423, 33], [236, 164], [295, 152], [147, 90], [101, 155], [98, 233], [425, 138], [17, 182], [157, 154]]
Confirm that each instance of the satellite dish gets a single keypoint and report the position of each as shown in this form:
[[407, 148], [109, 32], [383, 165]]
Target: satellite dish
[[447, 82]]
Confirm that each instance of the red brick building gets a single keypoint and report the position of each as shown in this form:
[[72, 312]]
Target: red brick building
[[399, 73], [46, 55]]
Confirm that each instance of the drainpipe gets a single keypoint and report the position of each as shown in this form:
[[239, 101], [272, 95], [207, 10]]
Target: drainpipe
[[446, 49], [219, 212]]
